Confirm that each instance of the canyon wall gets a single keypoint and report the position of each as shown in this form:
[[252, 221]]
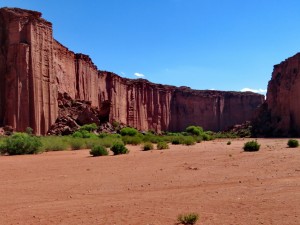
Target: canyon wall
[[34, 68], [280, 115]]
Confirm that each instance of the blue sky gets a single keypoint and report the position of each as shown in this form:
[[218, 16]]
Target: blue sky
[[203, 44]]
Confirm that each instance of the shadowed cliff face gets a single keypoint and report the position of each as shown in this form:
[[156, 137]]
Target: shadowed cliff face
[[282, 109], [34, 68]]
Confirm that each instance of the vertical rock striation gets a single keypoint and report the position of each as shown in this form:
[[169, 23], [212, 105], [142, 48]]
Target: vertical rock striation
[[279, 116], [28, 81], [35, 68]]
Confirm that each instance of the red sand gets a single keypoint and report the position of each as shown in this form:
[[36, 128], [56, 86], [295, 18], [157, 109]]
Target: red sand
[[220, 182]]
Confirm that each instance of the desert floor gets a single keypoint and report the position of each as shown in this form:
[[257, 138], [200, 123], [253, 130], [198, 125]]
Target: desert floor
[[220, 182]]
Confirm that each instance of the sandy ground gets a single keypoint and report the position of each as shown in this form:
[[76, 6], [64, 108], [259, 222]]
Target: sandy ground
[[220, 182]]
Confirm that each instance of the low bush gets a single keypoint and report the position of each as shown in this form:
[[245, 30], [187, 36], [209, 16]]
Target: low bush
[[148, 146], [98, 150], [54, 143], [103, 135], [229, 143], [116, 124], [194, 130], [83, 134], [77, 143], [119, 148], [132, 140], [90, 143], [29, 130], [293, 143], [149, 137], [188, 140], [20, 144], [128, 131], [224, 135], [198, 139], [89, 127], [162, 145], [176, 141], [251, 146], [188, 219], [207, 136]]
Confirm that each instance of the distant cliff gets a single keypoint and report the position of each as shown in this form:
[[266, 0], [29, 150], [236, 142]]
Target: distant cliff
[[280, 114], [35, 68]]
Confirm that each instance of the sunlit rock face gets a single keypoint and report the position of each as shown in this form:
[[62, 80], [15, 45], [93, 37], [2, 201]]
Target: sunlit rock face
[[35, 68]]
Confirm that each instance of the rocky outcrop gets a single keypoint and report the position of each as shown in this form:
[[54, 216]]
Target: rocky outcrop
[[35, 69], [279, 116]]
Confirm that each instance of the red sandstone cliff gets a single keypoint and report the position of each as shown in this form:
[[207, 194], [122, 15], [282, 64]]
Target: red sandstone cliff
[[280, 115], [34, 68]]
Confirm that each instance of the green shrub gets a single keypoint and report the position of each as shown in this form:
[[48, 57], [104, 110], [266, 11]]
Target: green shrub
[[206, 136], [89, 127], [293, 143], [98, 151], [194, 130], [91, 142], [29, 130], [106, 141], [20, 144], [116, 124], [149, 137], [110, 140], [128, 131], [188, 140], [162, 145], [132, 140], [251, 146], [176, 141], [77, 143], [188, 219], [148, 146], [224, 135], [103, 135], [83, 134], [198, 139], [119, 148], [229, 143], [54, 143]]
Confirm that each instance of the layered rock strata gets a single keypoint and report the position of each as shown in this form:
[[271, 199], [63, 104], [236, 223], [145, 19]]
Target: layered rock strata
[[280, 114], [35, 69]]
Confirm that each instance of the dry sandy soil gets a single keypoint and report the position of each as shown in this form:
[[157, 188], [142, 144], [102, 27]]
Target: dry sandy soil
[[220, 182]]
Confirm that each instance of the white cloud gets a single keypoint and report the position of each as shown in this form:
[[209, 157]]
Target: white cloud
[[261, 91], [123, 73], [138, 74]]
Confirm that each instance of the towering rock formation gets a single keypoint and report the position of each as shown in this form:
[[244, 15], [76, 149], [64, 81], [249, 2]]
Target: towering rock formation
[[34, 68], [280, 115]]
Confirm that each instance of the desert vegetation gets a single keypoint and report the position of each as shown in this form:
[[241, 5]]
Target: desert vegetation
[[251, 146], [98, 150], [188, 219], [292, 143], [87, 137]]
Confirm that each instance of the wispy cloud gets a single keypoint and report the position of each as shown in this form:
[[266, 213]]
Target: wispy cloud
[[261, 91], [123, 73], [138, 74]]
